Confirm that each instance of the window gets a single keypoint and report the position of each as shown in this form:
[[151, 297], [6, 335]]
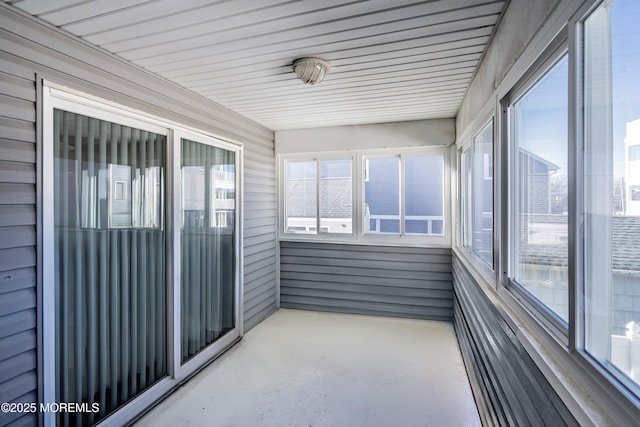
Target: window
[[538, 197], [141, 254], [569, 176], [382, 195], [335, 196], [302, 206], [424, 195], [611, 191], [404, 195], [331, 195], [477, 195], [400, 195]]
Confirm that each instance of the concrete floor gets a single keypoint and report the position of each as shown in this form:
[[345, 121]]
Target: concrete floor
[[303, 368]]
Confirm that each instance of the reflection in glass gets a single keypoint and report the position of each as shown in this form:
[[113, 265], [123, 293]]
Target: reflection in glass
[[466, 185], [336, 187], [301, 203], [382, 195], [424, 195], [483, 194], [109, 255], [477, 190], [207, 245], [612, 188], [540, 230]]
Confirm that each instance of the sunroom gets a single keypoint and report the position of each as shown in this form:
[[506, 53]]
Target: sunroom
[[175, 175]]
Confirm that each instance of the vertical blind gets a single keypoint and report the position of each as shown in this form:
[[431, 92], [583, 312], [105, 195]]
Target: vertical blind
[[110, 283], [207, 245]]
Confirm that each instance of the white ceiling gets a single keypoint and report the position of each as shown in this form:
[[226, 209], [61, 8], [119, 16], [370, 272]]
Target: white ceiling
[[392, 60]]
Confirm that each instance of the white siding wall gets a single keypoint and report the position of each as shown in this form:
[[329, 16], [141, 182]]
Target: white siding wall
[[31, 51]]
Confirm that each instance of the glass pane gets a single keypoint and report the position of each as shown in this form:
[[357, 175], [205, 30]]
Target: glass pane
[[208, 266], [301, 202], [382, 195], [109, 240], [335, 196], [467, 197], [540, 230], [424, 195], [482, 194], [612, 187]]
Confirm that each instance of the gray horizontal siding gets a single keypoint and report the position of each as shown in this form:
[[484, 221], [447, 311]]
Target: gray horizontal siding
[[18, 357], [30, 48], [375, 280], [509, 388], [259, 216]]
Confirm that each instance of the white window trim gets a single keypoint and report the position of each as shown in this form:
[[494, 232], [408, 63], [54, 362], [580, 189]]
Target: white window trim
[[358, 236], [478, 262], [591, 393], [403, 239], [283, 159], [182, 371], [68, 99], [558, 48], [488, 113], [607, 372]]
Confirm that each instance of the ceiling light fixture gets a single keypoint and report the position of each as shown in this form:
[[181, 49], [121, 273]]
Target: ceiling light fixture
[[311, 70]]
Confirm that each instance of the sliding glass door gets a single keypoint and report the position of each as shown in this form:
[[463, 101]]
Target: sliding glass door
[[208, 218], [109, 240], [141, 250]]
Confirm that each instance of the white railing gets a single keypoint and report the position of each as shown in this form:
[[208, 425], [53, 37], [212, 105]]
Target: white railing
[[625, 351], [343, 225], [378, 218], [327, 225], [226, 204], [226, 177]]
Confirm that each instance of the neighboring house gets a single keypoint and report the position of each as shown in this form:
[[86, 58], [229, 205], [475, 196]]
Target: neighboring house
[[632, 168], [537, 172], [335, 209], [626, 272], [423, 207]]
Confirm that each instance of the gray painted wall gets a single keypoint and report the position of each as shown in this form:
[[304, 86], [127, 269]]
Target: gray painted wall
[[508, 387], [32, 50], [375, 280]]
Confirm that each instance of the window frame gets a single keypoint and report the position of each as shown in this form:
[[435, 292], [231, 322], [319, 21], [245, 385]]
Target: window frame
[[592, 393], [552, 322], [359, 157], [402, 238], [64, 97], [365, 161], [283, 161], [611, 378], [467, 148], [284, 192], [194, 363]]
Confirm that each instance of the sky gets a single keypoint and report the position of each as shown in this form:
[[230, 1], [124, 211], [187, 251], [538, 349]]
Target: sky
[[542, 116], [544, 108], [625, 58]]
